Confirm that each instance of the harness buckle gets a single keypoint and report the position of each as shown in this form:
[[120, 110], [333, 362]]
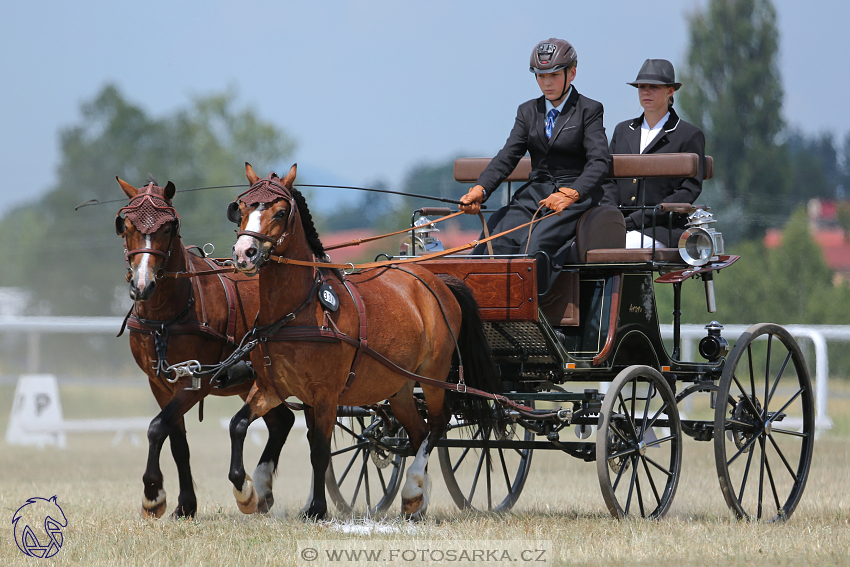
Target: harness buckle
[[461, 387], [348, 271], [267, 361]]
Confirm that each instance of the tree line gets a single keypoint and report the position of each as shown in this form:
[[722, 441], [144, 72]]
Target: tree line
[[765, 171]]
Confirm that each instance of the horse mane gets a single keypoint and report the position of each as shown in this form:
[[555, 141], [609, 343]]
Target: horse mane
[[309, 227]]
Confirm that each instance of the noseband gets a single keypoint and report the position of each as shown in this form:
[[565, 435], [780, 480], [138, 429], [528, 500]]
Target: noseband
[[266, 192]]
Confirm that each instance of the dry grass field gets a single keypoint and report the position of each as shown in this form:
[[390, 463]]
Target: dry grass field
[[99, 488]]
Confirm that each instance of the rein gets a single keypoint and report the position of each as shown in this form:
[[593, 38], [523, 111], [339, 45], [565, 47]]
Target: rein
[[368, 265]]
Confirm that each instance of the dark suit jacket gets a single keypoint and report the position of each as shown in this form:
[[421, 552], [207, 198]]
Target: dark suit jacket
[[676, 136], [578, 148]]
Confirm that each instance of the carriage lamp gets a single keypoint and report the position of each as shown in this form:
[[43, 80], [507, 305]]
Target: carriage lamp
[[700, 244], [713, 347], [422, 242]]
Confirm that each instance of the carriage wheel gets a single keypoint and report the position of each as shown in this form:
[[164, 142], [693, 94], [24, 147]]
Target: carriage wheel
[[639, 444], [764, 425], [361, 477], [491, 479]]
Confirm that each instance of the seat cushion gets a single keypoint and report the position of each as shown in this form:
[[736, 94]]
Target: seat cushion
[[625, 255]]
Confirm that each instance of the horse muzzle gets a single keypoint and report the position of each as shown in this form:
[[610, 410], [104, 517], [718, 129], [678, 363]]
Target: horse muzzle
[[142, 291]]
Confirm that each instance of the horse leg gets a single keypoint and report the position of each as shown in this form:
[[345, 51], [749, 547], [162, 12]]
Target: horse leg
[[404, 410], [154, 501], [187, 504], [320, 422], [243, 487], [415, 493], [279, 421]]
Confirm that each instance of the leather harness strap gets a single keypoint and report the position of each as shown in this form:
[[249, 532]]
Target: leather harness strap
[[363, 345], [230, 294]]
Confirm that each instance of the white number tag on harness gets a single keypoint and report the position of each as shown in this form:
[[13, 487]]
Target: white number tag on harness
[[328, 297]]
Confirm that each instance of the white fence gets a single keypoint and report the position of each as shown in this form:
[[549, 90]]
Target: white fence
[[819, 335]]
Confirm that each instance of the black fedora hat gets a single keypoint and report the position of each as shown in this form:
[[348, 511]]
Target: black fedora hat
[[656, 72]]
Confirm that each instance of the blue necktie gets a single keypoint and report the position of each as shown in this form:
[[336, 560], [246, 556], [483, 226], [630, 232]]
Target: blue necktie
[[550, 121]]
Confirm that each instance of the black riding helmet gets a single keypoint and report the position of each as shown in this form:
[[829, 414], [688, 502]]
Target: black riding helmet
[[552, 55]]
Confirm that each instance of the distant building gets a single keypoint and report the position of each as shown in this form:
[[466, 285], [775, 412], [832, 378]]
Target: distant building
[[825, 224]]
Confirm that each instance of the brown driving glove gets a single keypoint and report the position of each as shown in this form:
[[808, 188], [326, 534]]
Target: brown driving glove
[[560, 200], [471, 202]]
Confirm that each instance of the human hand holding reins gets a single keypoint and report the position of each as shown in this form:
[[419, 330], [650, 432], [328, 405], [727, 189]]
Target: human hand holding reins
[[560, 200], [471, 202]]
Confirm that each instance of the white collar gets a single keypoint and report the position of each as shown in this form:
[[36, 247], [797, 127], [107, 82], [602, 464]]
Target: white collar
[[659, 125]]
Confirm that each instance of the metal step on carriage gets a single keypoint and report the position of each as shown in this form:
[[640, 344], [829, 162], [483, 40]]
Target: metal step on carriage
[[599, 326]]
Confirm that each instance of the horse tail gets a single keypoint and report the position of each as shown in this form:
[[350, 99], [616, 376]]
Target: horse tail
[[479, 371]]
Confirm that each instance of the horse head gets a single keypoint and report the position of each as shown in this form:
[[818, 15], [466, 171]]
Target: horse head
[[149, 225], [266, 214]]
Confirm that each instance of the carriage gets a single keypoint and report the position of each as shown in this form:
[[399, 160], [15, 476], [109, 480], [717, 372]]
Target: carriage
[[588, 358]]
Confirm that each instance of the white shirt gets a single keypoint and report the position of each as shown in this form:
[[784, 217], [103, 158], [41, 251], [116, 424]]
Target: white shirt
[[648, 134]]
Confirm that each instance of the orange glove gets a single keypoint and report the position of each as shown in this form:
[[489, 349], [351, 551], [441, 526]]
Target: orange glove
[[560, 199], [471, 202]]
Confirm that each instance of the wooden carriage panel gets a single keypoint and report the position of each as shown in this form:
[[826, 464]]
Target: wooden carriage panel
[[506, 289]]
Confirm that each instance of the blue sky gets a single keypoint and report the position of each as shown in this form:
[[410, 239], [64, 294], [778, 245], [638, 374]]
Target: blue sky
[[368, 89]]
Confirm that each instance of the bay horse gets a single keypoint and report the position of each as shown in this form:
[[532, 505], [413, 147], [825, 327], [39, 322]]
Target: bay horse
[[184, 318], [323, 338]]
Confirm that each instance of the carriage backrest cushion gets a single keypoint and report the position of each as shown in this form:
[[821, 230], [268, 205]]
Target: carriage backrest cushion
[[600, 227], [467, 170]]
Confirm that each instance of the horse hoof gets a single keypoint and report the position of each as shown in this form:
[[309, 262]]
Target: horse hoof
[[154, 508], [265, 504], [246, 499], [184, 511], [412, 507], [315, 514]]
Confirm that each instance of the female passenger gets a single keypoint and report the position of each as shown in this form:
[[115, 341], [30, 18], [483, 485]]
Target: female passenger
[[658, 130]]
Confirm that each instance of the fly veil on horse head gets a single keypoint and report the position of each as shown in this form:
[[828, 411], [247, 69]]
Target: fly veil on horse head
[[185, 309], [388, 328]]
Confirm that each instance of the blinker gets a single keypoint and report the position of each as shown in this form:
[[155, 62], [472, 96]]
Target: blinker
[[233, 214], [119, 225]]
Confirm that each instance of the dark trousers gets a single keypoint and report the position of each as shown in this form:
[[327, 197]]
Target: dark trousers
[[553, 235]]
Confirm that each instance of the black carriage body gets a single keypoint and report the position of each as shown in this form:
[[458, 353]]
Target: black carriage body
[[602, 331]]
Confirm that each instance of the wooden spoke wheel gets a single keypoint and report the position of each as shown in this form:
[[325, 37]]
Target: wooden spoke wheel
[[639, 444], [764, 425], [363, 477], [487, 480]]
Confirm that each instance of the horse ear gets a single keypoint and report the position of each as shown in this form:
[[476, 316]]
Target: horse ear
[[249, 173], [169, 190], [290, 177], [129, 190]]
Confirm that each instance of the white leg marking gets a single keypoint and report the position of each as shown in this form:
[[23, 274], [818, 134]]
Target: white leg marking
[[418, 484], [151, 504], [263, 479]]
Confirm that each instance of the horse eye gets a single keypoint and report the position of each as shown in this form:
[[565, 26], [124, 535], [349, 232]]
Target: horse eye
[[280, 214]]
